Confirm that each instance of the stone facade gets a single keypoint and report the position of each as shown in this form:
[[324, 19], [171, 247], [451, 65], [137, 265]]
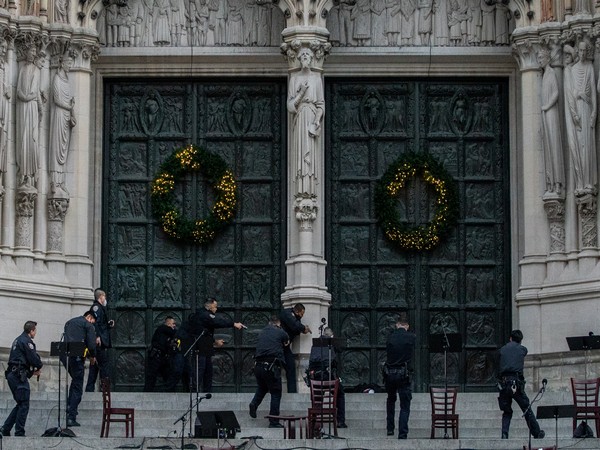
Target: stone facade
[[50, 224]]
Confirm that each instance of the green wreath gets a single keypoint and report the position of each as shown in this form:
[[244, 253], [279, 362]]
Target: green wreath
[[423, 237], [177, 165]]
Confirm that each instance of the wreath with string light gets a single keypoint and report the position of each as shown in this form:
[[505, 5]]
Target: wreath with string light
[[181, 162], [422, 237]]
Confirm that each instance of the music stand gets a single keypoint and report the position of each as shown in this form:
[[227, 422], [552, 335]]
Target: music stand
[[330, 343], [583, 342], [64, 350], [555, 412], [444, 343]]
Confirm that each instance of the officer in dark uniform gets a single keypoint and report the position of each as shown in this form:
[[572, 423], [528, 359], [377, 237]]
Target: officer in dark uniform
[[268, 360], [23, 363], [203, 323], [291, 323], [318, 369], [163, 356], [78, 329], [512, 385], [103, 343], [400, 350]]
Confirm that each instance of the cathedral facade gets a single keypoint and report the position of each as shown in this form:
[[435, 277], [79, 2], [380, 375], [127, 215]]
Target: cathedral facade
[[362, 157]]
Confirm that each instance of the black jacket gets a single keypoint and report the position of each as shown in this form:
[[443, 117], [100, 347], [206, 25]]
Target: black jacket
[[101, 325], [80, 330], [24, 355]]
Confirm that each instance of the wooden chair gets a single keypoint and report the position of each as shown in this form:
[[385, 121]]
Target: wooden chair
[[585, 400], [289, 427], [108, 412], [323, 408], [443, 410]]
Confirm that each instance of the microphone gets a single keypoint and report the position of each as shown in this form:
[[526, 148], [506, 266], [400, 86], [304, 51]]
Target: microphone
[[207, 396], [544, 383], [591, 333], [323, 320]]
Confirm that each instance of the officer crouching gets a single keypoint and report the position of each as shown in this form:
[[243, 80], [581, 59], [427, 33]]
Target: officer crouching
[[164, 356], [269, 358], [23, 363]]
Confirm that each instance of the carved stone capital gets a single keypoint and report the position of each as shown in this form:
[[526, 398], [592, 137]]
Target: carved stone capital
[[525, 50], [57, 209], [304, 12], [30, 37], [26, 196], [306, 210], [296, 39], [555, 211]]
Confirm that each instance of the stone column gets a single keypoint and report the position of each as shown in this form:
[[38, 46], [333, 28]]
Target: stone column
[[305, 49], [535, 229]]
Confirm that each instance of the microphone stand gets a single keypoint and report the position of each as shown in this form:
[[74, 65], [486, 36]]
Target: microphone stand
[[183, 419], [537, 397], [446, 347], [193, 346]]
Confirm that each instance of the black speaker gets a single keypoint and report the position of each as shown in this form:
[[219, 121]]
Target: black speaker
[[216, 424]]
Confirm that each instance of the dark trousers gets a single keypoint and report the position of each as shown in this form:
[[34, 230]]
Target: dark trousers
[[269, 382], [290, 369], [21, 392], [169, 368], [202, 373], [101, 367], [76, 369], [505, 399], [398, 386]]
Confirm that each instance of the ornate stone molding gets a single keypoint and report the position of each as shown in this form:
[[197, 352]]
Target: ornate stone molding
[[25, 205], [57, 210], [306, 209], [525, 49], [587, 208], [295, 40], [555, 211]]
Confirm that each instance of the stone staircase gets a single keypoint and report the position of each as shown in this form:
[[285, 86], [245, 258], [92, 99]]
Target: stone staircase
[[156, 413]]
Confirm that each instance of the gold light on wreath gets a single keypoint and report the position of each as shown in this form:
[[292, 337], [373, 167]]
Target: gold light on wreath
[[422, 237], [182, 161]]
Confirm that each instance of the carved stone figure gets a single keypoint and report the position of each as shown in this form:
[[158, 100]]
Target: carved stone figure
[[457, 21], [362, 21], [378, 23], [235, 22], [571, 116], [584, 92], [263, 22], [502, 19], [101, 22], [582, 7], [475, 22], [333, 25], [440, 19], [144, 22], [307, 106], [345, 14], [62, 122], [177, 24], [488, 23], [29, 114], [61, 11], [392, 21], [124, 23], [221, 21], [407, 21], [5, 94], [425, 21], [162, 19], [551, 129], [112, 24]]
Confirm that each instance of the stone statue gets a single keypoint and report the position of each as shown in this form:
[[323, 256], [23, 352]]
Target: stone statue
[[407, 21], [392, 21], [61, 11], [551, 129], [362, 22], [474, 24], [307, 105], [582, 7], [162, 20], [584, 93], [5, 94], [457, 21], [440, 20], [569, 56], [29, 114], [378, 23], [488, 23], [425, 21], [62, 122]]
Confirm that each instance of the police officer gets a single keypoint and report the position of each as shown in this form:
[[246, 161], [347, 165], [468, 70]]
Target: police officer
[[268, 360], [23, 363], [78, 329], [163, 356], [512, 385], [203, 323], [291, 323], [400, 348], [319, 364], [102, 327]]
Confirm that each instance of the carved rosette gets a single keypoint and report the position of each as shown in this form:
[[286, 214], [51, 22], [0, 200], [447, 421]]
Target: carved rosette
[[306, 209], [26, 197], [555, 211], [587, 217]]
